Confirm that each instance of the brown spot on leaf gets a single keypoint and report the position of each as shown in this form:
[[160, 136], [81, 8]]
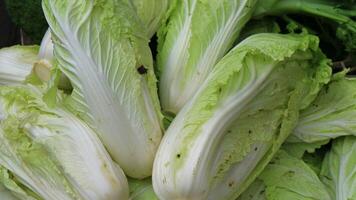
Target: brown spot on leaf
[[231, 183], [142, 70]]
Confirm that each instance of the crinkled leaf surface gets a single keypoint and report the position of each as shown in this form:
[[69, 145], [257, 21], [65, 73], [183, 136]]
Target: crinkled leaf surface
[[152, 13], [331, 115], [53, 153], [288, 177]]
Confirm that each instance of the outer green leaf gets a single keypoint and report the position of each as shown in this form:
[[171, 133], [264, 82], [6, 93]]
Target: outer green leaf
[[256, 191], [314, 160], [331, 115], [224, 137], [287, 177], [311, 153], [335, 11], [152, 13], [53, 153], [16, 63], [339, 169], [299, 148], [197, 35], [106, 56]]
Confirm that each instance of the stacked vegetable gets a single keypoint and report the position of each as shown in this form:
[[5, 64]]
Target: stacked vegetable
[[236, 101]]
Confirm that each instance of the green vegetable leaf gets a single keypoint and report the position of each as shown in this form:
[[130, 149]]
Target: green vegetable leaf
[[314, 160], [338, 169], [332, 10], [287, 177], [52, 153], [152, 13], [256, 191], [224, 137], [331, 115], [297, 149], [197, 35], [106, 56]]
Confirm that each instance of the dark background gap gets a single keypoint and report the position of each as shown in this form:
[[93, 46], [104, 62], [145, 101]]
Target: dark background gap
[[9, 33]]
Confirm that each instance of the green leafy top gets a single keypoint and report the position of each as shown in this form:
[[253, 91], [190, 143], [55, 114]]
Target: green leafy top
[[332, 114], [340, 12], [197, 35], [152, 13]]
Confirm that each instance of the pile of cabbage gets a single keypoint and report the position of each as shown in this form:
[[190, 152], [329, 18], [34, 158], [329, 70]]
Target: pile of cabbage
[[216, 113]]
